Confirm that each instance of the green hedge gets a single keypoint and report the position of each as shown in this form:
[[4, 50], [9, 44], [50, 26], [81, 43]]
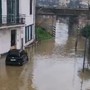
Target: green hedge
[[42, 34], [86, 31]]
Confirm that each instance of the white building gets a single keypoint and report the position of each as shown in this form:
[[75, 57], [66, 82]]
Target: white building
[[64, 3], [84, 5], [17, 24]]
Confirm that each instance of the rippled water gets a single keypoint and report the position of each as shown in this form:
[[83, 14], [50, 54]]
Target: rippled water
[[51, 66], [61, 34]]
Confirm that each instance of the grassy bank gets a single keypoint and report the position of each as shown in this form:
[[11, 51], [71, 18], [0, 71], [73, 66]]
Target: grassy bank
[[42, 34]]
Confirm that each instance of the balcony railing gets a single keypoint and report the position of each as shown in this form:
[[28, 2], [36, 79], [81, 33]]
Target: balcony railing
[[12, 20]]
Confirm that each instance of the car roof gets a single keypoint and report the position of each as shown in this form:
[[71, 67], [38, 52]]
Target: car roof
[[16, 50]]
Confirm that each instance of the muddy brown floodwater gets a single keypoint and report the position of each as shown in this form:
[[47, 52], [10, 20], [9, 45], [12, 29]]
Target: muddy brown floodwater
[[51, 66]]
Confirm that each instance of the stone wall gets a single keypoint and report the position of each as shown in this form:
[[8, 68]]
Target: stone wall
[[47, 22]]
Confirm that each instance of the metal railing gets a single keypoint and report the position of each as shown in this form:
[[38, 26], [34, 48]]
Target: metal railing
[[12, 20]]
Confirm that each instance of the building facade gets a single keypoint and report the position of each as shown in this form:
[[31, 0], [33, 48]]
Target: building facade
[[47, 3], [17, 24], [63, 3]]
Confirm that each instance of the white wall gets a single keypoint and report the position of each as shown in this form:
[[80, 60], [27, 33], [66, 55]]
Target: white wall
[[4, 10], [4, 7], [25, 9], [18, 38], [4, 41], [29, 19]]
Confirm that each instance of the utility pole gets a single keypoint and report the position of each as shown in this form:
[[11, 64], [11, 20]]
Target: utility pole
[[76, 42], [85, 50]]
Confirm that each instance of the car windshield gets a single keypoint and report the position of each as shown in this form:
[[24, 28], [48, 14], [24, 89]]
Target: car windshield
[[14, 53]]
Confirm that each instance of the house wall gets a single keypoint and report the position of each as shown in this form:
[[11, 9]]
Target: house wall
[[5, 34], [4, 10], [25, 9], [5, 39], [18, 38], [4, 7], [29, 18], [33, 36]]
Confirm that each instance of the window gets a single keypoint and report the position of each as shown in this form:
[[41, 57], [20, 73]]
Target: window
[[28, 33], [30, 6], [12, 11], [0, 11]]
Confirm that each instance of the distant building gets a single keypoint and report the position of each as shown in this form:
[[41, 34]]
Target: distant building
[[83, 5], [64, 3], [79, 3], [47, 3], [74, 4], [17, 24], [87, 1]]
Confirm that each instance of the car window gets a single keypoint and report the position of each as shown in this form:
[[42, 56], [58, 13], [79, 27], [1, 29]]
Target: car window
[[13, 53]]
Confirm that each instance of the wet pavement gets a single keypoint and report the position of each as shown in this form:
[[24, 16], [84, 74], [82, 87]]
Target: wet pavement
[[51, 66]]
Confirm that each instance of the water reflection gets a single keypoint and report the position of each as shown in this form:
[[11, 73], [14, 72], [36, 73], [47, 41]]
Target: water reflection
[[85, 76], [13, 75], [45, 47], [85, 79], [61, 34]]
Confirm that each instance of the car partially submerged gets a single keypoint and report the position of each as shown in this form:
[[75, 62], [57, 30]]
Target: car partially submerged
[[16, 57]]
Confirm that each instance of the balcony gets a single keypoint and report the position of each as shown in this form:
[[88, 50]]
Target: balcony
[[11, 20]]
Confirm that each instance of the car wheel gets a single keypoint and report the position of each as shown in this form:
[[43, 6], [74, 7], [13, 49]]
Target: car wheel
[[20, 64]]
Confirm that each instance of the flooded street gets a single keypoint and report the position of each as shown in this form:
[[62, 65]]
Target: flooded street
[[53, 65]]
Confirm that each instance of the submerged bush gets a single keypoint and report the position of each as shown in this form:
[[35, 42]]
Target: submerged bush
[[86, 31], [42, 34]]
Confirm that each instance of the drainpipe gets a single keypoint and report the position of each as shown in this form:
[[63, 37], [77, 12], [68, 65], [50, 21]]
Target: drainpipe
[[22, 46]]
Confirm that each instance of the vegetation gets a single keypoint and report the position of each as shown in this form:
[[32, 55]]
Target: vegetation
[[86, 31], [42, 34]]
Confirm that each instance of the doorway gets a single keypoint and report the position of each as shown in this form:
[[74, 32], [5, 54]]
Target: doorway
[[13, 37]]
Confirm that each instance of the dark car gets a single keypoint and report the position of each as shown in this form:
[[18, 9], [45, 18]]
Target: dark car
[[16, 57]]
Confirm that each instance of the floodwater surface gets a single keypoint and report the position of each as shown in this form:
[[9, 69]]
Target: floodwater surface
[[53, 65]]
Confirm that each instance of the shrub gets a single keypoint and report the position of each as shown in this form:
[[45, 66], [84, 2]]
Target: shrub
[[42, 34], [86, 31]]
